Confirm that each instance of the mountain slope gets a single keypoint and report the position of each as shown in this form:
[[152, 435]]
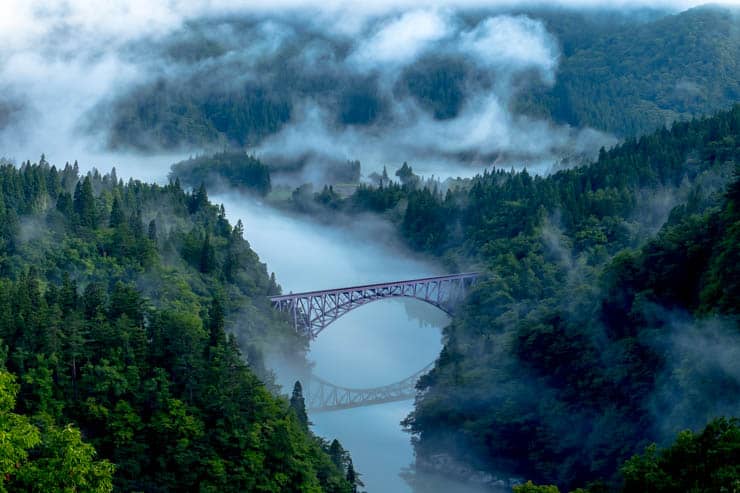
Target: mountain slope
[[116, 303], [624, 73], [586, 343], [647, 75]]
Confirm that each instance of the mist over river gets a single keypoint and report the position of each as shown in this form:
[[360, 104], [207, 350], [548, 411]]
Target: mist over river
[[377, 344]]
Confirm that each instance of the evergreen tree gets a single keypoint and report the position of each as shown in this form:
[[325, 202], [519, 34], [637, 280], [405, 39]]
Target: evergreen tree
[[338, 455], [353, 478], [199, 199], [46, 459], [152, 231], [298, 404], [134, 362], [216, 324], [207, 261], [84, 204], [116, 214]]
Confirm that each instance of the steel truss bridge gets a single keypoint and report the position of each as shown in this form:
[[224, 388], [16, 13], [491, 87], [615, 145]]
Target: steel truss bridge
[[311, 312]]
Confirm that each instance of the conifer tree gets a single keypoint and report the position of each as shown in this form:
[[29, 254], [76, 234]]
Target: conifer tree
[[298, 404], [116, 214], [84, 204]]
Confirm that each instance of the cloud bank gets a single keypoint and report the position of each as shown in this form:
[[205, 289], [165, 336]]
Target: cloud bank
[[354, 77]]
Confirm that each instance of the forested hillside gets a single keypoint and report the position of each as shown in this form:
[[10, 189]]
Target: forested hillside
[[626, 73], [227, 169], [590, 164], [125, 310], [583, 344], [643, 75]]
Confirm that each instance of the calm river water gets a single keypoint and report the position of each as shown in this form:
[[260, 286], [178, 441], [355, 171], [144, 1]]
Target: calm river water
[[377, 344]]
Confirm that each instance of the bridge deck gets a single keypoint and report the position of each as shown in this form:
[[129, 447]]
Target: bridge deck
[[371, 286]]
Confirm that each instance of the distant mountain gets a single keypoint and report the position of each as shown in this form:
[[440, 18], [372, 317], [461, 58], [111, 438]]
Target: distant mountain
[[235, 81], [641, 76]]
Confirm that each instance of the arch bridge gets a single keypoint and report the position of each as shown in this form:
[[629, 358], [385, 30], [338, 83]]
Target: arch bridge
[[312, 311]]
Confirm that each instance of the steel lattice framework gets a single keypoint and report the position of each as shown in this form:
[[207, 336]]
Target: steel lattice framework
[[313, 311], [322, 396]]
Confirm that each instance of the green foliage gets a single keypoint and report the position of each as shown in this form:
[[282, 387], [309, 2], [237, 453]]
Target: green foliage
[[169, 114], [235, 169], [529, 487], [600, 208], [18, 434], [298, 405], [438, 84], [632, 78], [64, 463], [627, 73], [704, 462], [581, 346], [129, 336], [697, 462], [49, 459]]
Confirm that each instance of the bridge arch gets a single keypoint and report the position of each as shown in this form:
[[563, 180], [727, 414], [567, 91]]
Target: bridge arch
[[324, 396], [313, 311]]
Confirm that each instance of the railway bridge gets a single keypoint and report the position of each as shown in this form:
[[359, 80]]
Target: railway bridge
[[313, 311]]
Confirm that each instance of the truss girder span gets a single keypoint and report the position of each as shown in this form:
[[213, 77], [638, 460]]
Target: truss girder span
[[313, 311], [323, 396]]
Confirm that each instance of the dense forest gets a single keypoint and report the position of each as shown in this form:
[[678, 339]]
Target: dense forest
[[586, 343], [246, 173], [226, 169], [581, 347], [133, 321], [624, 73], [598, 352], [699, 462], [639, 76]]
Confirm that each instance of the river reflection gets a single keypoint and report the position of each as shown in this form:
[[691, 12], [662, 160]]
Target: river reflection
[[377, 344]]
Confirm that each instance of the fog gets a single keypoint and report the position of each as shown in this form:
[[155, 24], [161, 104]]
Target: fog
[[375, 345], [702, 376], [65, 66], [68, 69]]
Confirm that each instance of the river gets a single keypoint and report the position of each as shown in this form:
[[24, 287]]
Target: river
[[376, 344]]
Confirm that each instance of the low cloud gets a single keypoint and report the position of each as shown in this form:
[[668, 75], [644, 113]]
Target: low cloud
[[401, 40], [65, 66], [701, 380]]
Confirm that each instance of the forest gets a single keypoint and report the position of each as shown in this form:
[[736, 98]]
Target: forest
[[224, 170], [631, 78], [133, 320], [582, 347], [623, 73], [599, 352], [599, 276]]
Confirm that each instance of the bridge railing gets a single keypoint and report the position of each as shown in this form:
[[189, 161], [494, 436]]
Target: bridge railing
[[306, 294]]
